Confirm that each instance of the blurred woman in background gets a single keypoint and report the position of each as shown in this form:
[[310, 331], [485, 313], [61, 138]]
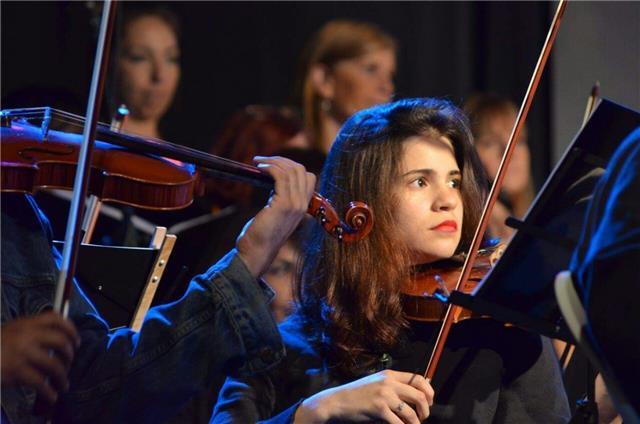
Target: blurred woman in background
[[492, 118], [147, 68], [346, 67]]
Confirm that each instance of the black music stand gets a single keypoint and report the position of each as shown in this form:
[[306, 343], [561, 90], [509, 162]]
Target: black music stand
[[519, 288], [122, 281]]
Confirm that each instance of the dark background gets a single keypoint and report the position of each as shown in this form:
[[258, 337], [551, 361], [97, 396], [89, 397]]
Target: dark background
[[240, 53]]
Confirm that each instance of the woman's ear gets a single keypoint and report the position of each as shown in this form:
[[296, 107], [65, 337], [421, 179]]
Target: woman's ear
[[322, 81]]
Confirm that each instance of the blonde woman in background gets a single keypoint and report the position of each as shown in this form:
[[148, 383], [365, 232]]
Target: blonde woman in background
[[347, 66]]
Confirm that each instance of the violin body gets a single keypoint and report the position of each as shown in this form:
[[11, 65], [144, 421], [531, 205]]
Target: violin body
[[424, 295], [32, 160], [39, 151]]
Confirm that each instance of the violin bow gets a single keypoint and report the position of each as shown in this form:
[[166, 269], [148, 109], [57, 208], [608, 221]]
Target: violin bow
[[591, 102], [447, 322], [81, 182]]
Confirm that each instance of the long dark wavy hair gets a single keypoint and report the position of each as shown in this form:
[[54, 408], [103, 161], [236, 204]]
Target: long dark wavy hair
[[348, 293]]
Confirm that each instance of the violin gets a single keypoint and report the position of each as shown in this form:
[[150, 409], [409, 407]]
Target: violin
[[40, 150], [424, 296], [32, 160]]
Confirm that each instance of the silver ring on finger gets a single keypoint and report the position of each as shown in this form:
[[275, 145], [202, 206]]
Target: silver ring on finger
[[400, 406]]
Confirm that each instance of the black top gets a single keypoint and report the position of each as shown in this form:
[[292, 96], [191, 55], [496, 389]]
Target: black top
[[487, 373]]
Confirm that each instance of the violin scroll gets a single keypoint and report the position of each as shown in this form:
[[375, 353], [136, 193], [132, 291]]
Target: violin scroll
[[358, 219]]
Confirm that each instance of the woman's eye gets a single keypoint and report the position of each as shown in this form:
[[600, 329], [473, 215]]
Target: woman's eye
[[420, 182], [455, 183], [371, 68], [136, 58]]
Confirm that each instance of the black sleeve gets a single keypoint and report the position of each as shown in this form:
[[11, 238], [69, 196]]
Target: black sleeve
[[532, 390]]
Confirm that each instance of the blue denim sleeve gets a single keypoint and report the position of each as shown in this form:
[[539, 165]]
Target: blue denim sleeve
[[221, 324]]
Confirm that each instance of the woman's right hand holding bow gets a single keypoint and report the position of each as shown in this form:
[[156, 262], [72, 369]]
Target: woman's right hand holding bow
[[393, 396]]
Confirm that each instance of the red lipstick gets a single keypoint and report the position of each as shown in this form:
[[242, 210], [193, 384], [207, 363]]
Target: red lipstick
[[448, 226]]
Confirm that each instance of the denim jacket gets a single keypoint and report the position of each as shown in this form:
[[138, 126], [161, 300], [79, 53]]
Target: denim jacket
[[221, 324]]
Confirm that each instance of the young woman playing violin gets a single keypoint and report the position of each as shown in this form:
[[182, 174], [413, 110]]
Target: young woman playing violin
[[351, 353]]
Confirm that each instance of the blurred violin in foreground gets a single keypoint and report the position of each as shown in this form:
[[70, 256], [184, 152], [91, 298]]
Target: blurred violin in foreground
[[40, 149]]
